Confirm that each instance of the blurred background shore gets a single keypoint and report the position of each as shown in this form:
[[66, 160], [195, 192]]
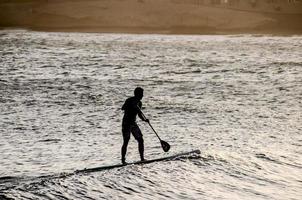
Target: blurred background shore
[[154, 16]]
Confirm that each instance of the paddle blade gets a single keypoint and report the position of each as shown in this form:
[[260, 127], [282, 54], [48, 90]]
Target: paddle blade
[[165, 146]]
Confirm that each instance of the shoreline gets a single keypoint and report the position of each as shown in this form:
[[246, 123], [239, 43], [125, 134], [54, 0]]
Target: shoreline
[[147, 31]]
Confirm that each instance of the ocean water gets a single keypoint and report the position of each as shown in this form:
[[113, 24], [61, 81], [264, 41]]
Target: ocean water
[[236, 98]]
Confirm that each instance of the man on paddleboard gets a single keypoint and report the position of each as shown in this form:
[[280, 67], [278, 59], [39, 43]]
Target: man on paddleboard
[[132, 107]]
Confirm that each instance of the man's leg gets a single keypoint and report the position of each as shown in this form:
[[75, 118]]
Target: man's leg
[[126, 138], [141, 148], [139, 137]]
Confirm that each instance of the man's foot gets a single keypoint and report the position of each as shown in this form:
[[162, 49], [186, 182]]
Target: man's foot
[[124, 162], [142, 160]]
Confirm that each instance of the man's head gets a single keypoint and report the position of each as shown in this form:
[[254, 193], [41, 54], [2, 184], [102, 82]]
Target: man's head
[[139, 93]]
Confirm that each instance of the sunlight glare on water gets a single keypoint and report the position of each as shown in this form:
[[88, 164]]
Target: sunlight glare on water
[[236, 98]]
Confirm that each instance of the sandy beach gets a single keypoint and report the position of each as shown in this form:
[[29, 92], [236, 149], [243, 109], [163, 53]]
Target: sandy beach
[[132, 16]]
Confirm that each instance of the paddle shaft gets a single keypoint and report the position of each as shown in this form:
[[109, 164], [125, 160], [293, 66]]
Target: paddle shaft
[[149, 124], [154, 131]]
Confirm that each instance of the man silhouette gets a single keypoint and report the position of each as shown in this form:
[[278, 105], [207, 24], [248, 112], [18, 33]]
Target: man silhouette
[[132, 107]]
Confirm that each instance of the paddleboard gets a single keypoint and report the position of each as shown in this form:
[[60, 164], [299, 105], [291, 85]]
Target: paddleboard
[[176, 156]]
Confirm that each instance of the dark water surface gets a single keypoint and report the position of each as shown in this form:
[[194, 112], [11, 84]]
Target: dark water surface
[[236, 98]]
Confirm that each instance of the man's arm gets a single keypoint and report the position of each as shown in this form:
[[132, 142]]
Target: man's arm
[[140, 114]]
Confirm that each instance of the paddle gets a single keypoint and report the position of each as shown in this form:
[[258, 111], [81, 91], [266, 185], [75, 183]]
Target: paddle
[[164, 145]]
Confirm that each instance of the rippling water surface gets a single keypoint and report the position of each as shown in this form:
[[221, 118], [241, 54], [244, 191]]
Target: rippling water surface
[[236, 98]]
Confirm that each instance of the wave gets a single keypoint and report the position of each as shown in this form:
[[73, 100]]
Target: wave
[[275, 160]]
